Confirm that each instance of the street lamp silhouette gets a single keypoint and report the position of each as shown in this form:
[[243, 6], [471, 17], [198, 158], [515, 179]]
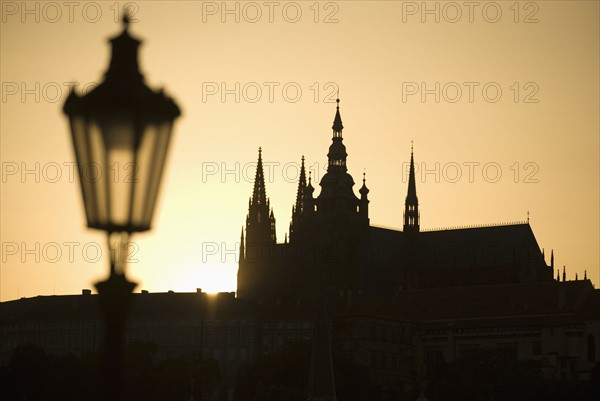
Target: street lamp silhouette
[[121, 132]]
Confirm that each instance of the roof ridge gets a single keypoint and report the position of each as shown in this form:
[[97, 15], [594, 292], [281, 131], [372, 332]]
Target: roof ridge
[[386, 227], [482, 225], [459, 227]]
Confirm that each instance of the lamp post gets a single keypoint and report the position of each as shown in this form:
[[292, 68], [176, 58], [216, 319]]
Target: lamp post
[[121, 125]]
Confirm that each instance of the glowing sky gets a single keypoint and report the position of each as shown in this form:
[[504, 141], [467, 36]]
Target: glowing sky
[[283, 61]]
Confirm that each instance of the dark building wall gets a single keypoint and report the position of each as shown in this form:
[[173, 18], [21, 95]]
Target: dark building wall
[[555, 322]]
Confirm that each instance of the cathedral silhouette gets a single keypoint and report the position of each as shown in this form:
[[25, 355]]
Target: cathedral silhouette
[[345, 310], [332, 244]]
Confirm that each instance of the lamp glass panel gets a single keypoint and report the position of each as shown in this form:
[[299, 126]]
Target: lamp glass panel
[[96, 174], [81, 145], [151, 159], [119, 137]]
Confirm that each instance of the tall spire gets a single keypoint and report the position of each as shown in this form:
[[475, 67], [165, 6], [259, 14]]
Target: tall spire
[[337, 121], [259, 194], [301, 189], [337, 151], [564, 273], [412, 187], [337, 194], [299, 208], [260, 222], [411, 204], [242, 247], [364, 200], [272, 228]]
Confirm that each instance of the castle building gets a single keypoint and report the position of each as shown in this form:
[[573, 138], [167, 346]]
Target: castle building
[[401, 304], [332, 243]]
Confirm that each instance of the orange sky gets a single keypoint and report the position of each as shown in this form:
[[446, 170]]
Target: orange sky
[[541, 132]]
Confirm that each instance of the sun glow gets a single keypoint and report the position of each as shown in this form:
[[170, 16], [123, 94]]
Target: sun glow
[[217, 279]]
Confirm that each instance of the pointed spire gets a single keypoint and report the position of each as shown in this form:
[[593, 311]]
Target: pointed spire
[[301, 189], [585, 274], [412, 187], [273, 230], [558, 275], [260, 223], [242, 246], [364, 191], [337, 150], [411, 204], [337, 121], [309, 188], [552, 259], [564, 273], [259, 194]]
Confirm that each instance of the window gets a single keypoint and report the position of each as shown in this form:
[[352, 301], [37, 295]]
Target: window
[[591, 348], [433, 358]]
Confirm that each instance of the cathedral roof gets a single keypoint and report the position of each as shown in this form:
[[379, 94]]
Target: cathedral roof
[[501, 245]]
